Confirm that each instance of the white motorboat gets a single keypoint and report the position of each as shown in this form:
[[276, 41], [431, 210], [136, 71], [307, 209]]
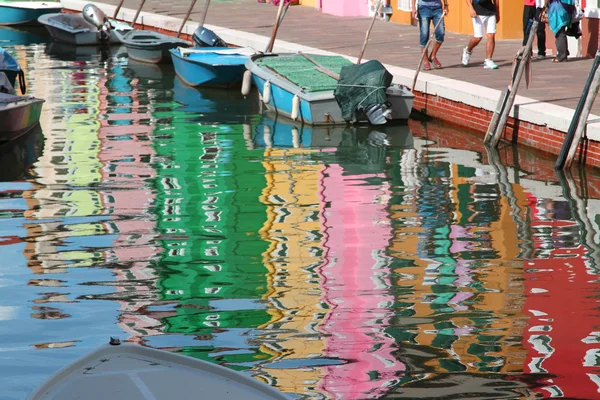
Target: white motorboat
[[132, 372]]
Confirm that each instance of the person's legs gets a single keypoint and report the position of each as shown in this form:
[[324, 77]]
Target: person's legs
[[541, 34], [425, 18], [561, 45], [490, 46], [438, 14], [528, 16], [477, 36], [477, 33]]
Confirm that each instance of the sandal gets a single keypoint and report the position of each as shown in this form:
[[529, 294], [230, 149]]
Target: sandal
[[556, 60], [427, 67], [436, 63]]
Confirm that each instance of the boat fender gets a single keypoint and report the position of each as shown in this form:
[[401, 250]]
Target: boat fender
[[295, 137], [295, 107], [267, 92], [246, 83]]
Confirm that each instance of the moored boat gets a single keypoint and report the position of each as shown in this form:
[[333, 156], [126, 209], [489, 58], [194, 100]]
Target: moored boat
[[26, 12], [211, 66], [151, 47], [294, 86], [126, 371], [18, 115], [76, 29]]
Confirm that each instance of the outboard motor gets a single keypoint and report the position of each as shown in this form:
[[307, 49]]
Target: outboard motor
[[204, 37], [96, 17], [378, 114]]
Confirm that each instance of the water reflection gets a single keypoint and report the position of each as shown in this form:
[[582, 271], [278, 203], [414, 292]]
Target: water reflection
[[350, 262], [18, 155], [23, 35]]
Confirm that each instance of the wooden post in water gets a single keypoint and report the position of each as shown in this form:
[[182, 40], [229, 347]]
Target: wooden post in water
[[118, 9], [137, 13], [425, 51], [560, 161], [582, 123], [362, 51], [275, 27], [495, 132], [187, 16]]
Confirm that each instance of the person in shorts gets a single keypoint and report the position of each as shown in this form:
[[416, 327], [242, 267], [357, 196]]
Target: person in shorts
[[485, 15]]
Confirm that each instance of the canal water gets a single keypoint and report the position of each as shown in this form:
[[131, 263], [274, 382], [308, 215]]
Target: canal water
[[346, 263]]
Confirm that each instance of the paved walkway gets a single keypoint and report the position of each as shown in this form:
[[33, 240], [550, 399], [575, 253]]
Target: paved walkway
[[390, 43]]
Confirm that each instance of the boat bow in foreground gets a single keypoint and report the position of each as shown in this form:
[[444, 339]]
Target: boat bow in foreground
[[127, 372]]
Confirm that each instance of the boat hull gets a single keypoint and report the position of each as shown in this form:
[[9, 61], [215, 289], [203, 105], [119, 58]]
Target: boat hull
[[74, 29], [19, 116], [151, 47], [317, 108], [20, 13], [125, 372], [194, 72]]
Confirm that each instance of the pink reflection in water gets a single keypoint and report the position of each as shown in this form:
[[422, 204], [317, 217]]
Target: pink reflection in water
[[356, 287]]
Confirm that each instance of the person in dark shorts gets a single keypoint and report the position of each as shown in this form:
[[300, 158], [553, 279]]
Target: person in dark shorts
[[532, 11], [485, 15]]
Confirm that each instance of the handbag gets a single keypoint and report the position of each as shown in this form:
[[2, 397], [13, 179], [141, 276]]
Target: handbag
[[577, 12]]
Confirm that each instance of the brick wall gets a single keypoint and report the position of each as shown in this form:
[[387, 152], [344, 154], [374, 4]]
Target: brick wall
[[541, 138]]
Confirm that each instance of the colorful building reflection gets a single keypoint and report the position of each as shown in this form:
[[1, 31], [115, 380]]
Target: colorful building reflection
[[209, 218], [562, 335]]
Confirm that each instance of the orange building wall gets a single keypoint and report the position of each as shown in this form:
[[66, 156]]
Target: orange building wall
[[459, 21]]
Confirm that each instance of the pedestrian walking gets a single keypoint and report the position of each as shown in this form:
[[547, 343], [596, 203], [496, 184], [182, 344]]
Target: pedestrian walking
[[532, 11], [428, 12], [485, 15]]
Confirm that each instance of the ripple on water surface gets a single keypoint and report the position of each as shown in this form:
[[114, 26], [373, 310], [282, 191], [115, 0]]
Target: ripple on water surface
[[343, 262]]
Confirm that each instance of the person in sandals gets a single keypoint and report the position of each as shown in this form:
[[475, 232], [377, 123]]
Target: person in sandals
[[428, 12]]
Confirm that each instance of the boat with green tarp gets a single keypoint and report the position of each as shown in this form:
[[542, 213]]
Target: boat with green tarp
[[326, 90]]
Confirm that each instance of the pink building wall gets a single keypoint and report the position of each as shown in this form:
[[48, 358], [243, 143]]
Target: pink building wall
[[345, 8]]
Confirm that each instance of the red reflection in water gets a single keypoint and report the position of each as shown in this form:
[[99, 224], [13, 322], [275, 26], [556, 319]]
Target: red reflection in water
[[562, 336]]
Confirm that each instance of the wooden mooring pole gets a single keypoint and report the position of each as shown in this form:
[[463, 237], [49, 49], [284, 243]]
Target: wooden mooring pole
[[562, 156], [582, 123], [507, 99]]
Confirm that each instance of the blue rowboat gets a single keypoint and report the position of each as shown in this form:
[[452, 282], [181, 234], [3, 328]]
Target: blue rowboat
[[316, 105], [214, 66], [25, 12]]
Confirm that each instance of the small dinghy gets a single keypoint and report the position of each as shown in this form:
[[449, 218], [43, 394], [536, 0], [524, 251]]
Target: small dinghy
[[25, 12], [89, 28], [211, 66], [127, 372], [18, 115], [314, 89], [151, 47]]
